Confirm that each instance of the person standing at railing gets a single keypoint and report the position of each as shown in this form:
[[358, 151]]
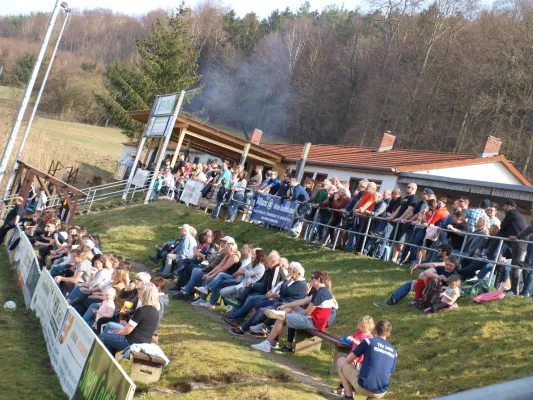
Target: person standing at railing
[[361, 187], [299, 194], [379, 210], [365, 203], [339, 200], [238, 187], [271, 186], [518, 249], [416, 232], [323, 213], [284, 185], [384, 228], [473, 214], [401, 216]]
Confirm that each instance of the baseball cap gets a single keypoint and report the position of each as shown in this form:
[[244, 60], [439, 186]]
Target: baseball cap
[[428, 191], [485, 203], [228, 239], [510, 202]]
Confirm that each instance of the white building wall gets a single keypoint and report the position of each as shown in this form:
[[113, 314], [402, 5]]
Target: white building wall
[[490, 172], [388, 181]]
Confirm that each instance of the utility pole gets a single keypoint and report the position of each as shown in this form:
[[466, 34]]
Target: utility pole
[[37, 101], [27, 93]]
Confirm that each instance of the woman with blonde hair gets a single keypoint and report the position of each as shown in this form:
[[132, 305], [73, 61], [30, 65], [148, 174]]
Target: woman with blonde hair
[[140, 328]]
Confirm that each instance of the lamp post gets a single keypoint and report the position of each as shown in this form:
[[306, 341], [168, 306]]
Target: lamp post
[[29, 87], [37, 101]]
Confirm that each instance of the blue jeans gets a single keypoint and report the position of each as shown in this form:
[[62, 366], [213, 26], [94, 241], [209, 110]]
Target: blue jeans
[[417, 239], [214, 286], [259, 315], [112, 341], [238, 197], [528, 284], [401, 292], [90, 315], [58, 269], [250, 302], [383, 229], [216, 210], [75, 292], [195, 281], [322, 219]]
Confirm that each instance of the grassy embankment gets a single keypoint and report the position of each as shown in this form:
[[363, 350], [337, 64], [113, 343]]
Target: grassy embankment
[[473, 346], [25, 369], [95, 150]]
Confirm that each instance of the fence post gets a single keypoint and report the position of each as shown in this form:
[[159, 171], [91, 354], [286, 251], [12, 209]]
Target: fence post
[[366, 233], [337, 233], [496, 258], [91, 204]]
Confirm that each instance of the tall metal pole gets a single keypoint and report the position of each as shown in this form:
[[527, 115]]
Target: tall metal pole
[[27, 92], [34, 111], [165, 144]]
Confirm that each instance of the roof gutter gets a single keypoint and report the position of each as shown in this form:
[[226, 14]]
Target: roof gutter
[[344, 166]]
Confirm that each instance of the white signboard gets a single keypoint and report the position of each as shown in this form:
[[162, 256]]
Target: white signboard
[[165, 105], [192, 192], [159, 127]]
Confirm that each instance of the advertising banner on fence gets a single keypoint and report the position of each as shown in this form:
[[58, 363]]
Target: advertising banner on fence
[[103, 378], [192, 192], [73, 344], [274, 211], [31, 282]]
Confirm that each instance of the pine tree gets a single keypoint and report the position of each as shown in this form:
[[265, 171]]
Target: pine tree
[[167, 63]]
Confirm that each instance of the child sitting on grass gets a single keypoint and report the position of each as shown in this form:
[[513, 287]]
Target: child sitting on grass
[[449, 295], [366, 326], [107, 307]]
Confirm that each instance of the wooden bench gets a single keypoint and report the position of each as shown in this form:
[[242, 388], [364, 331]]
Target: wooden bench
[[145, 368], [308, 340]]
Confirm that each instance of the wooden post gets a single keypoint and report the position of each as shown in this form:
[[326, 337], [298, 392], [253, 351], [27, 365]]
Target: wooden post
[[26, 185], [301, 163], [178, 147], [245, 153]]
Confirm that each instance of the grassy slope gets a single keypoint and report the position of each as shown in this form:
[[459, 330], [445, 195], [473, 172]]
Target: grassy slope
[[25, 370], [473, 346]]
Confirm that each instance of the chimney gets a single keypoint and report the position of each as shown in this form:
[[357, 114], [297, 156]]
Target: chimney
[[385, 141], [256, 136], [490, 147]]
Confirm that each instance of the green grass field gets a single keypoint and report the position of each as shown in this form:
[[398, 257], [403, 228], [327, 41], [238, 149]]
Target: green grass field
[[25, 369], [472, 346]]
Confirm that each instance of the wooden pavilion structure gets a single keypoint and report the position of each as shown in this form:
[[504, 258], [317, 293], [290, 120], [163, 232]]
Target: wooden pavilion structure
[[214, 141], [26, 175]]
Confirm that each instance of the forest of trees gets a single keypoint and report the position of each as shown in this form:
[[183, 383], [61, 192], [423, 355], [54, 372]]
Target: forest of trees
[[440, 75]]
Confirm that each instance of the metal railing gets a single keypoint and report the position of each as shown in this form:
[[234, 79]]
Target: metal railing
[[102, 193], [366, 235]]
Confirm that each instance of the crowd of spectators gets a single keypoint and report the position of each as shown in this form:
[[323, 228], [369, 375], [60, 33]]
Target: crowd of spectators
[[122, 311]]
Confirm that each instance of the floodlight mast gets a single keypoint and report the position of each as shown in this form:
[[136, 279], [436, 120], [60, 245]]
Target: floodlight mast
[[27, 93], [37, 101]]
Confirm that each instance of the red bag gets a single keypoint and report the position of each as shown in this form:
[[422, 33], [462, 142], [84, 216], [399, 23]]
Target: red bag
[[490, 296]]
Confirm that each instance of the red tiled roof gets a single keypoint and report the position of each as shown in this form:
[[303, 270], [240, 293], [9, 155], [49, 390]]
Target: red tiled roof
[[394, 160], [366, 156]]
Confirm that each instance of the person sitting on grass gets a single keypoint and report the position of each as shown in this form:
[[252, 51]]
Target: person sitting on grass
[[373, 379], [198, 272], [440, 272], [82, 271], [185, 250], [106, 308], [365, 327], [315, 316], [449, 295], [211, 280], [102, 270], [291, 289], [141, 326], [251, 295], [213, 244]]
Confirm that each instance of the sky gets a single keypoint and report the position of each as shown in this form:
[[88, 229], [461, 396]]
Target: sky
[[137, 7]]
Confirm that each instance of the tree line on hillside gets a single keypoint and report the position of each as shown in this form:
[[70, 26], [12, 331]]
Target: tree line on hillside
[[441, 75]]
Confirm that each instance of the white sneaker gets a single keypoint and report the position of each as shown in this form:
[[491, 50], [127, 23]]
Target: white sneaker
[[275, 346], [207, 305], [275, 314], [202, 290], [258, 328], [198, 302], [264, 346], [229, 309]]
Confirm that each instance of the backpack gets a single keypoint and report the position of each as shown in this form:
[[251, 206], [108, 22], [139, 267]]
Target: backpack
[[472, 288], [489, 296], [431, 293]]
